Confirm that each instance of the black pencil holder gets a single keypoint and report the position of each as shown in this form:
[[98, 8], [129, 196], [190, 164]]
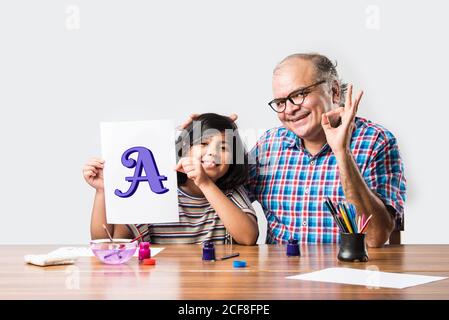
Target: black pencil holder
[[352, 248]]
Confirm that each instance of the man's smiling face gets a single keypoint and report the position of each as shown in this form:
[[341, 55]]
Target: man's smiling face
[[304, 120]]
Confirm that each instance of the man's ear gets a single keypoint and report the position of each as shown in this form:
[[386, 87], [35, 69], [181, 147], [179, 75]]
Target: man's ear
[[336, 93]]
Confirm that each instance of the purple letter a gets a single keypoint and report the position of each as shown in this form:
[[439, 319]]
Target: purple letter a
[[145, 160]]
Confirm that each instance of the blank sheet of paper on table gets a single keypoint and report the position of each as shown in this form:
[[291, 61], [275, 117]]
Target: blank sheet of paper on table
[[369, 278]]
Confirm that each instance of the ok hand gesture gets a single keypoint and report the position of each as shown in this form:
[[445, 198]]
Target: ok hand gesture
[[339, 138]]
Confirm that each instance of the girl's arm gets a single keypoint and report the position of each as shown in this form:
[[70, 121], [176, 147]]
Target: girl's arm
[[93, 174], [240, 225], [98, 218], [118, 231]]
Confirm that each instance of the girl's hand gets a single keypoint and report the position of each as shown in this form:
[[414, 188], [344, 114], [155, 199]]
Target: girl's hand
[[93, 173], [193, 168]]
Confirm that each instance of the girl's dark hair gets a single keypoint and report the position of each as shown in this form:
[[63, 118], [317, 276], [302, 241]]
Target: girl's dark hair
[[237, 173]]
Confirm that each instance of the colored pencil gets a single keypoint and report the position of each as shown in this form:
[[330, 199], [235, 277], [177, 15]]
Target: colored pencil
[[366, 224], [141, 235], [354, 217], [345, 218], [351, 216], [332, 207], [329, 205]]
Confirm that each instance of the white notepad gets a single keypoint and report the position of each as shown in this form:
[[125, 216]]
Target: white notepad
[[368, 278], [87, 252]]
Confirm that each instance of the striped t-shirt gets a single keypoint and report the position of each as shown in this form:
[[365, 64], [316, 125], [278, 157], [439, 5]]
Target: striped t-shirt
[[198, 221]]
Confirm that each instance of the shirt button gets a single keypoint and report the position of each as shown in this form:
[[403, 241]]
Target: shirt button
[[312, 163], [304, 223], [306, 191]]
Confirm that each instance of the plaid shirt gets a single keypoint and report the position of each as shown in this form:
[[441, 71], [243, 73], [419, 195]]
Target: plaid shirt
[[291, 184]]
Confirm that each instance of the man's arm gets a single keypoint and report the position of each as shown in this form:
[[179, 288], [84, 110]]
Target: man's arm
[[366, 202], [354, 186]]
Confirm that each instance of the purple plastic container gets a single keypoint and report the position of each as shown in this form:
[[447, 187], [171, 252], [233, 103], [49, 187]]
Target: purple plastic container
[[117, 252]]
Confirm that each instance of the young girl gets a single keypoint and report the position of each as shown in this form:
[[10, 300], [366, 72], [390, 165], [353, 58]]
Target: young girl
[[213, 204]]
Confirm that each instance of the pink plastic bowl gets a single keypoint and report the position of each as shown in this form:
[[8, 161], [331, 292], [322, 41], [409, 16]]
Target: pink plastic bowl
[[117, 252]]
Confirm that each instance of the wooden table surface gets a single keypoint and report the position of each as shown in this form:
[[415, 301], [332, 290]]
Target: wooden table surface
[[181, 274]]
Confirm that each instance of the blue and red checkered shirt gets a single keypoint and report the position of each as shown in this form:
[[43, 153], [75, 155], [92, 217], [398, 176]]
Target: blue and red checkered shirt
[[291, 184]]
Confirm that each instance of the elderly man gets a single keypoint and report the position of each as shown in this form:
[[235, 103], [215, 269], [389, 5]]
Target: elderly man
[[323, 150]]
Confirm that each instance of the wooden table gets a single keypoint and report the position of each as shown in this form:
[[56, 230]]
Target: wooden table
[[181, 274]]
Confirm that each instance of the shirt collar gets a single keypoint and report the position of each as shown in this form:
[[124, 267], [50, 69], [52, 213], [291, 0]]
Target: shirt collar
[[291, 140]]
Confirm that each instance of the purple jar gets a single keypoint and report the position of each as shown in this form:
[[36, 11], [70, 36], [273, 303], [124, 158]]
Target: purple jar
[[208, 251], [293, 248]]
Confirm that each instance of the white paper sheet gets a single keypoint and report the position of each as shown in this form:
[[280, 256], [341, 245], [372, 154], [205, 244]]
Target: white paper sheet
[[369, 278], [151, 202], [87, 252]]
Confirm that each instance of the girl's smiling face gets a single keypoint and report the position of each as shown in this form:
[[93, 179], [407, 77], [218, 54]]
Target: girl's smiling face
[[215, 154]]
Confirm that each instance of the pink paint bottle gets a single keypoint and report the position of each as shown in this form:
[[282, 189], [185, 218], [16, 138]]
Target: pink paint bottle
[[144, 251]]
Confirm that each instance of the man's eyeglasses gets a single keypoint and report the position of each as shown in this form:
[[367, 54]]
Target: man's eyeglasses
[[296, 97]]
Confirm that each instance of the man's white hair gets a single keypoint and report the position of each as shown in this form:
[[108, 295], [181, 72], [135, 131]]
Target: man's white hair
[[324, 67]]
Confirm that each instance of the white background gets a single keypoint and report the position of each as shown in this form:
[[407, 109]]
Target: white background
[[67, 65]]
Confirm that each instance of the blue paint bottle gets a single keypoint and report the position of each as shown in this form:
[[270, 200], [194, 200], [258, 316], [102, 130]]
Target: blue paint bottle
[[208, 251], [293, 248]]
